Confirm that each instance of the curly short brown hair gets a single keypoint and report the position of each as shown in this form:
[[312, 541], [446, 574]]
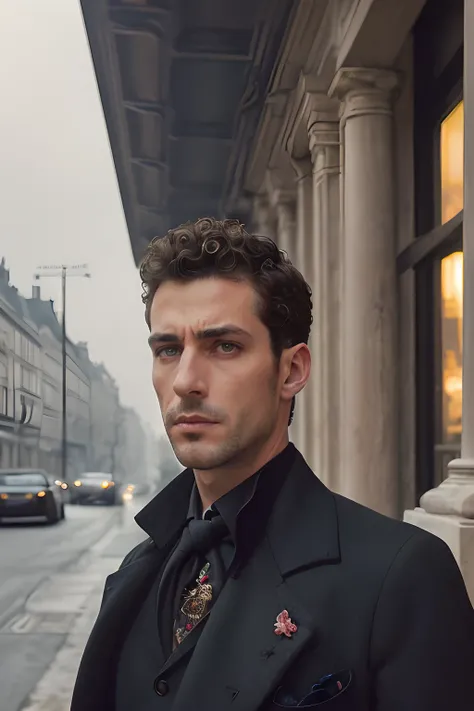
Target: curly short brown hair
[[223, 248]]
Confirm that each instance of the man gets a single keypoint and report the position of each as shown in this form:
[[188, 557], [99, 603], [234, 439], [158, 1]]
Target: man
[[258, 588]]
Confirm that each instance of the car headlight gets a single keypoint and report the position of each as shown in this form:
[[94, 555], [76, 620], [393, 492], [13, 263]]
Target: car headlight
[[41, 494], [78, 483], [105, 484]]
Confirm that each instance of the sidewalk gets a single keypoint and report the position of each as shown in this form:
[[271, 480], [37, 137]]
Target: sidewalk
[[69, 603]]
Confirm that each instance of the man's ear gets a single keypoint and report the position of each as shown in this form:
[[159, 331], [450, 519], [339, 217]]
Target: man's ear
[[296, 370]]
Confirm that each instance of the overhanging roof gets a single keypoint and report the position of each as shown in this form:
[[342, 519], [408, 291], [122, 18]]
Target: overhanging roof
[[182, 84]]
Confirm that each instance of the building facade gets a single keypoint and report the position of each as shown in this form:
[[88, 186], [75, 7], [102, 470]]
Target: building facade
[[132, 456], [344, 140], [106, 415], [20, 379]]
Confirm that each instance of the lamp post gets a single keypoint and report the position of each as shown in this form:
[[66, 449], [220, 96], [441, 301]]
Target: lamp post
[[64, 271]]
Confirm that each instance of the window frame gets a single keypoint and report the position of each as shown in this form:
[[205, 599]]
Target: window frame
[[434, 99]]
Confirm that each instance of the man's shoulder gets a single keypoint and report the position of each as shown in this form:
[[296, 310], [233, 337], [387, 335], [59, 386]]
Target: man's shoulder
[[142, 549], [379, 538]]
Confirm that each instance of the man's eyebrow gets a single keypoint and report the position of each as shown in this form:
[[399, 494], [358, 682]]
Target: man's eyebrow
[[162, 338], [219, 331], [216, 332]]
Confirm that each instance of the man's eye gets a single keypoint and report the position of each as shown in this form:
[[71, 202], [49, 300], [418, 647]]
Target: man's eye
[[168, 352], [228, 347]]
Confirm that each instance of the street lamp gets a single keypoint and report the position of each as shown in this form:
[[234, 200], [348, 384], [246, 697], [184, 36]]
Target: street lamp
[[64, 271]]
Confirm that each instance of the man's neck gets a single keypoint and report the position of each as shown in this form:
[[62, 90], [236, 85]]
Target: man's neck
[[212, 484]]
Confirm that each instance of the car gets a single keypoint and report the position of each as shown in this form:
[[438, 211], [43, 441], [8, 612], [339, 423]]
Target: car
[[27, 493], [95, 487]]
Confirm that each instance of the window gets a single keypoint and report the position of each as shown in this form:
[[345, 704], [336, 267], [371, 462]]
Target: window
[[452, 163], [3, 400], [23, 479], [451, 346], [449, 311], [17, 372], [436, 253]]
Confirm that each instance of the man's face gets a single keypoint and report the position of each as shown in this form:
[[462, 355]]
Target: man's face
[[216, 377]]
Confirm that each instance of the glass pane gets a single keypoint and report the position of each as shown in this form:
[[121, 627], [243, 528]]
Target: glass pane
[[451, 339], [452, 163], [30, 479]]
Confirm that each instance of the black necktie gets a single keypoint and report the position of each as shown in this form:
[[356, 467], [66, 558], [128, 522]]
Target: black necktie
[[199, 542]]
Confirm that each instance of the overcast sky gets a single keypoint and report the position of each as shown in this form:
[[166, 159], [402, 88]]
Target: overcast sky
[[59, 197]]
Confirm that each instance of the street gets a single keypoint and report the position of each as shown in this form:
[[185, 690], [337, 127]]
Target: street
[[29, 555]]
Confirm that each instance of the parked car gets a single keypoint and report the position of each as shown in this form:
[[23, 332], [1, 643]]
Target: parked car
[[30, 493], [95, 487]]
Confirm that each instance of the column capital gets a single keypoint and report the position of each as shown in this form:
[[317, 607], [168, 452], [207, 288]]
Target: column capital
[[364, 91], [324, 137], [322, 108], [323, 128], [303, 167]]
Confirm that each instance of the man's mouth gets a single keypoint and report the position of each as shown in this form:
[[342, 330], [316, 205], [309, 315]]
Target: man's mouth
[[193, 421]]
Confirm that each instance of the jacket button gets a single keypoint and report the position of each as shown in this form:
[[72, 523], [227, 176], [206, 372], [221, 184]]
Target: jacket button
[[161, 687]]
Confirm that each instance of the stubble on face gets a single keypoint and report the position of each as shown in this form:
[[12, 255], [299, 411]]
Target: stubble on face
[[239, 447], [239, 393]]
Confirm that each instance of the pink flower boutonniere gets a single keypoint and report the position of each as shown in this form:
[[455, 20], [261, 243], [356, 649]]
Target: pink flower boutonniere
[[284, 625]]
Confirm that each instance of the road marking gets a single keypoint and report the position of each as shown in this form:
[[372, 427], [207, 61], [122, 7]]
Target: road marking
[[23, 624]]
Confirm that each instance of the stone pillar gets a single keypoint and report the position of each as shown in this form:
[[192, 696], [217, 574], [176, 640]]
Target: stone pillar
[[263, 218], [323, 129], [448, 510], [304, 215], [369, 467], [285, 205], [303, 262]]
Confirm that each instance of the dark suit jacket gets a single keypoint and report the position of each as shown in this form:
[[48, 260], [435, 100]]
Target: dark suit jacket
[[379, 599]]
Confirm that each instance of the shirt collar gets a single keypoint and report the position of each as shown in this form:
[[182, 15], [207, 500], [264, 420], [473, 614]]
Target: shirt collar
[[245, 509], [235, 506]]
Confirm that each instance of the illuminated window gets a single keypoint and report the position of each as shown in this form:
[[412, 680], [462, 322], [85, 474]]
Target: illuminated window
[[452, 163], [451, 340]]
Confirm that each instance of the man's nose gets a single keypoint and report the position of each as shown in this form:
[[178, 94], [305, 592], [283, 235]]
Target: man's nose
[[189, 379]]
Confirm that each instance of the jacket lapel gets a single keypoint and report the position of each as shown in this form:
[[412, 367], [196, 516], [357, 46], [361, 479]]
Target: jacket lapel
[[302, 533]]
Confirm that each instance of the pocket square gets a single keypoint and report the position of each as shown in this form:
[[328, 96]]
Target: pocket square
[[327, 688]]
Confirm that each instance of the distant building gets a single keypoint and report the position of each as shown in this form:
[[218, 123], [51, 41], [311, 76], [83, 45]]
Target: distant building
[[101, 434], [78, 394], [106, 414], [20, 379], [131, 465], [153, 457]]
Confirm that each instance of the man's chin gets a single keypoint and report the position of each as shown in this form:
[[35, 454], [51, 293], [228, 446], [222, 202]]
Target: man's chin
[[199, 455]]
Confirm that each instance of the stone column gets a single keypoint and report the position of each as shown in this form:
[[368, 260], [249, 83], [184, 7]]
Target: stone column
[[263, 218], [303, 262], [304, 215], [285, 204], [369, 467], [323, 129], [448, 510]]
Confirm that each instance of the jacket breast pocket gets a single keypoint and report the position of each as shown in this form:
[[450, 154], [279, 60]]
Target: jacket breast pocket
[[330, 692]]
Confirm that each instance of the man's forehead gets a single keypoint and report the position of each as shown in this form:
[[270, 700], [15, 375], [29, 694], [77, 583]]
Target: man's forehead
[[210, 304]]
